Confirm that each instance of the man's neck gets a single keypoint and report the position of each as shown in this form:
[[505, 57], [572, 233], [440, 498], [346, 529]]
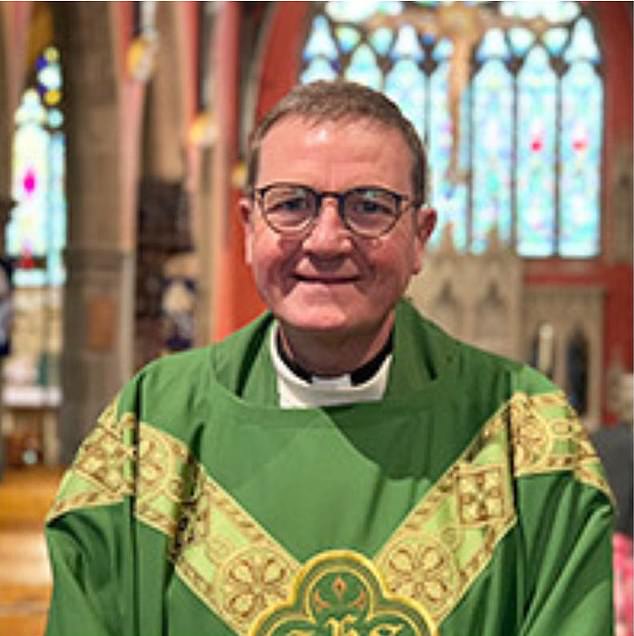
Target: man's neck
[[330, 354]]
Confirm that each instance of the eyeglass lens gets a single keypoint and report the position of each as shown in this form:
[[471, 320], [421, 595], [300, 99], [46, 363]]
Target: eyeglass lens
[[365, 211]]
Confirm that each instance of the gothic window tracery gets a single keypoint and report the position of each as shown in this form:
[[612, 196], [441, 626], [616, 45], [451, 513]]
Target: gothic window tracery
[[507, 95]]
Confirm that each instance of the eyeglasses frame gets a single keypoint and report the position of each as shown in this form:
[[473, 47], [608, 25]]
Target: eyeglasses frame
[[257, 195]]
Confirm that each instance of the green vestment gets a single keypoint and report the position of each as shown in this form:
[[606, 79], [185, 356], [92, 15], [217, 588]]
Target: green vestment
[[468, 502]]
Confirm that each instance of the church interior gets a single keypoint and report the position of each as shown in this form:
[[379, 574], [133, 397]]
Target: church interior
[[123, 133]]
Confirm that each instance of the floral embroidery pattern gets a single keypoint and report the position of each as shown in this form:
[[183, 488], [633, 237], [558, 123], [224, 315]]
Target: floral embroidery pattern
[[103, 470], [235, 567], [548, 436], [424, 571], [252, 581], [481, 495]]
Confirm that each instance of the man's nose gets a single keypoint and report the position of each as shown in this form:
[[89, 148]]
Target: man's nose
[[329, 233]]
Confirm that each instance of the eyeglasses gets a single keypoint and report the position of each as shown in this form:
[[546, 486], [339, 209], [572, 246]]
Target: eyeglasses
[[292, 209]]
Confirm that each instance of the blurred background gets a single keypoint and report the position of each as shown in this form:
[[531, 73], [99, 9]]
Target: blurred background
[[123, 131]]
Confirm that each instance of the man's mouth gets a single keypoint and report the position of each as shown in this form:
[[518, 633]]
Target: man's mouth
[[326, 280]]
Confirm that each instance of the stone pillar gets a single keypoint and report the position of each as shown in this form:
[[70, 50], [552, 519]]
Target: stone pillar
[[97, 356]]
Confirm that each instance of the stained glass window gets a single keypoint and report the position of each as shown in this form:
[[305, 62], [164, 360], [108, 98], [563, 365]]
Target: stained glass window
[[508, 97], [36, 231]]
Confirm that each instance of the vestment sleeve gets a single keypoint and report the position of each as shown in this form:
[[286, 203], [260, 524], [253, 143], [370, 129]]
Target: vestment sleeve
[[90, 534], [565, 519], [568, 558], [91, 559]]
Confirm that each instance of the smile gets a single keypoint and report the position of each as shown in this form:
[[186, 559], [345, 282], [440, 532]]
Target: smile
[[326, 280]]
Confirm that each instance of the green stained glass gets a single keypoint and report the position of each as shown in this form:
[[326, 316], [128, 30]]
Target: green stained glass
[[492, 145], [582, 106], [536, 156], [348, 38]]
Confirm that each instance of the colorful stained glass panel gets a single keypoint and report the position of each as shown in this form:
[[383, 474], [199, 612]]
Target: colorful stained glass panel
[[35, 235], [492, 153], [582, 107], [526, 139], [536, 204]]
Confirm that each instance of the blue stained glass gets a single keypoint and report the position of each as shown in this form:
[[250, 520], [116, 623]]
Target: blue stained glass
[[443, 50], [407, 44], [363, 68], [348, 38], [493, 45], [55, 118], [536, 156], [543, 225], [320, 42], [448, 197], [318, 69], [56, 217], [405, 84], [555, 40], [521, 40], [492, 153], [381, 40], [583, 46], [581, 142]]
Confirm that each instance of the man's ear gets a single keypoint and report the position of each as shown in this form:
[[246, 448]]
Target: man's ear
[[424, 224], [246, 216]]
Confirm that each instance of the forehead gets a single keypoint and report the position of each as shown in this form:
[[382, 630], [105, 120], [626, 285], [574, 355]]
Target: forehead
[[335, 153]]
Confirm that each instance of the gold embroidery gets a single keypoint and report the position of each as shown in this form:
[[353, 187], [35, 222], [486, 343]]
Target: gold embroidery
[[169, 480], [548, 436], [340, 593], [425, 571], [451, 535], [103, 470], [481, 495], [235, 567], [253, 581], [218, 549]]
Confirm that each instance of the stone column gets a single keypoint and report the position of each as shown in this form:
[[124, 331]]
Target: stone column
[[98, 321], [102, 137]]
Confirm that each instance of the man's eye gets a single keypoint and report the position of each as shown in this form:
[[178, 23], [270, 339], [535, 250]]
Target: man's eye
[[288, 203], [369, 205], [293, 205]]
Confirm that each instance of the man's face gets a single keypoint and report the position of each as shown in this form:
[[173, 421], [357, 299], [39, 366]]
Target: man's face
[[330, 280]]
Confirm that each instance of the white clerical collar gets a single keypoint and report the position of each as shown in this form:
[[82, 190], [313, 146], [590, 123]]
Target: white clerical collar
[[296, 391]]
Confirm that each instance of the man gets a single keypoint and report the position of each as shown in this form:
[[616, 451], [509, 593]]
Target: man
[[340, 466]]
